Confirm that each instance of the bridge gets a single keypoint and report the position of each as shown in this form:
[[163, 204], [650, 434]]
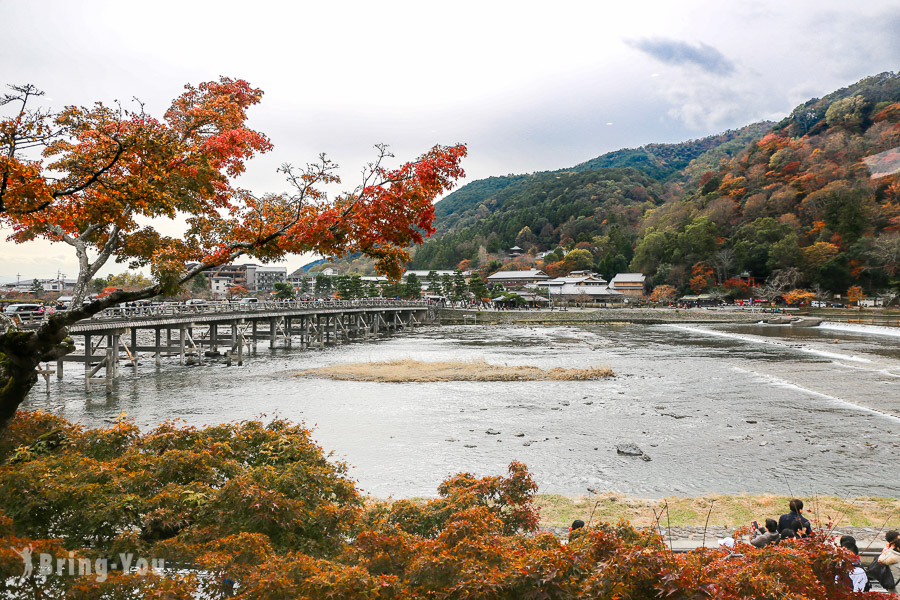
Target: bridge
[[223, 330]]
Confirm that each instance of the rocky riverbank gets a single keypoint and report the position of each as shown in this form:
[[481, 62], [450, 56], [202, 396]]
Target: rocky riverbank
[[597, 315]]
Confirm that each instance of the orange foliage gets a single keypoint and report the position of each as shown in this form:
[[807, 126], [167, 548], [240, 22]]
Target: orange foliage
[[260, 504], [799, 297], [701, 277], [664, 293]]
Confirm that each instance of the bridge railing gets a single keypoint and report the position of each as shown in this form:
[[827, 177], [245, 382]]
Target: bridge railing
[[166, 309]]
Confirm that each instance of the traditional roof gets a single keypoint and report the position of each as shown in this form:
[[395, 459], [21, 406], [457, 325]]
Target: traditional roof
[[589, 280], [423, 274], [628, 278], [514, 275], [572, 289]]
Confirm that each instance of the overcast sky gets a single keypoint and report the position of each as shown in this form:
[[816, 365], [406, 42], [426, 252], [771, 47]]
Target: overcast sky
[[528, 86]]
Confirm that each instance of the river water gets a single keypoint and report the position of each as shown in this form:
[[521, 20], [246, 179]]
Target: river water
[[718, 408]]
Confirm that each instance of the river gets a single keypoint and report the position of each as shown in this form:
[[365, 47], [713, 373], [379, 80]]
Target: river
[[725, 408]]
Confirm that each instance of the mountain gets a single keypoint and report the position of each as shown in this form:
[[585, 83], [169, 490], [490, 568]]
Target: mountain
[[793, 199]]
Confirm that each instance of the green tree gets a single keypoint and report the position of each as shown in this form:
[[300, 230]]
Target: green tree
[[37, 288], [434, 282], [98, 284], [460, 289], [698, 241], [303, 286], [477, 287], [283, 290], [372, 290], [342, 286], [392, 289], [447, 285], [413, 287], [355, 287], [128, 280], [579, 259], [199, 283], [323, 285]]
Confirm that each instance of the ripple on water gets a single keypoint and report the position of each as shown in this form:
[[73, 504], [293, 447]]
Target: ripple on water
[[717, 408]]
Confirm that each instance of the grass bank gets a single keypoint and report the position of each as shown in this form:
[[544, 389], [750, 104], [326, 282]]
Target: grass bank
[[727, 510], [406, 371]]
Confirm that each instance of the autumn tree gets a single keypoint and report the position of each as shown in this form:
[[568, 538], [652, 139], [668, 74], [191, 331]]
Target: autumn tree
[[855, 294], [664, 293], [261, 503], [799, 297], [97, 178], [236, 291], [701, 278], [129, 281]]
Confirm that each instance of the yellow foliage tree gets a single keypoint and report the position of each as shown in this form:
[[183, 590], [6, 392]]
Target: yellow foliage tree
[[819, 253], [799, 297], [855, 294]]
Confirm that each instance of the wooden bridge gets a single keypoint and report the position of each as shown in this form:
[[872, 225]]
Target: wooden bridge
[[225, 330]]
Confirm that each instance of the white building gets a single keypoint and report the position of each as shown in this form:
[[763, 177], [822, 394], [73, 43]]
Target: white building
[[580, 285], [631, 284]]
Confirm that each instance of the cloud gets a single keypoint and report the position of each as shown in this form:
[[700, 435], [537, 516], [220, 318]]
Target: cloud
[[673, 52]]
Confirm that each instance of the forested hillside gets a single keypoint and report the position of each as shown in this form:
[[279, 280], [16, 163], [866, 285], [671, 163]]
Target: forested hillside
[[795, 200]]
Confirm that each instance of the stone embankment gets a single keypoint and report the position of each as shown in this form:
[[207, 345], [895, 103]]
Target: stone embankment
[[650, 316]]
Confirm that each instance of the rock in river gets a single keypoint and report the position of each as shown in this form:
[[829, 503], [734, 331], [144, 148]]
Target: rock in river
[[630, 449]]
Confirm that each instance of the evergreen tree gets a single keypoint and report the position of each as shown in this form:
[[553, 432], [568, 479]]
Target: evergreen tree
[[283, 290], [372, 290], [392, 289], [342, 286], [477, 287], [434, 282], [446, 285], [460, 289], [413, 287], [37, 287], [355, 287], [303, 286], [323, 285]]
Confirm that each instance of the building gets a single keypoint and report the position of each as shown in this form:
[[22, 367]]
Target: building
[[266, 278], [55, 286], [630, 284], [229, 276], [580, 286], [517, 279], [251, 277], [219, 286]]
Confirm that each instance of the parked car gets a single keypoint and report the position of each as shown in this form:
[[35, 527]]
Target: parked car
[[24, 310], [248, 301]]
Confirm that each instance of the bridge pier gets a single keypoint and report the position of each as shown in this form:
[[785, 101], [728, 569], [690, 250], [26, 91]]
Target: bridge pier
[[315, 324]]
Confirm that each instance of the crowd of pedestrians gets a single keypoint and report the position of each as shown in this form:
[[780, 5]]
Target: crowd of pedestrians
[[794, 526]]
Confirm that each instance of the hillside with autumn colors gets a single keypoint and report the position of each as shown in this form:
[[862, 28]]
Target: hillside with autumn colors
[[805, 201]]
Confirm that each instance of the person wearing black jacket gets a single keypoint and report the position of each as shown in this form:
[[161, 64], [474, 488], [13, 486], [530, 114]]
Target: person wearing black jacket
[[796, 514]]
